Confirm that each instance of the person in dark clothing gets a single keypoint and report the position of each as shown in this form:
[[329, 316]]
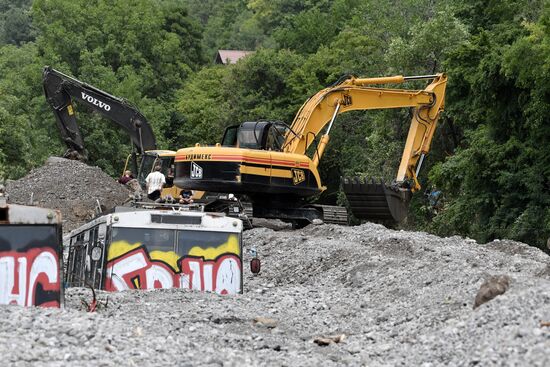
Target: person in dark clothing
[[126, 177], [186, 197]]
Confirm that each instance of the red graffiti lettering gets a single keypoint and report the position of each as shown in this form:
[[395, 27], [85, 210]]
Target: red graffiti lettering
[[30, 278], [136, 269]]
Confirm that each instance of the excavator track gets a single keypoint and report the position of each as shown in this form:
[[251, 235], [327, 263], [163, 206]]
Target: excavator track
[[376, 201], [333, 214]]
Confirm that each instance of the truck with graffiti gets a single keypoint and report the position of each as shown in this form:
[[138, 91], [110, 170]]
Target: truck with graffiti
[[30, 256], [139, 248]]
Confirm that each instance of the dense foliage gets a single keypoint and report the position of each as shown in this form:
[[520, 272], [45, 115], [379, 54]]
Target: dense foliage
[[489, 157]]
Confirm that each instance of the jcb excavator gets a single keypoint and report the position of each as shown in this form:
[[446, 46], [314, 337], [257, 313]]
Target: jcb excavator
[[268, 162], [61, 89]]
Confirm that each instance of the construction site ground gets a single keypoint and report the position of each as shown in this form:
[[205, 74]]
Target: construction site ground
[[326, 295]]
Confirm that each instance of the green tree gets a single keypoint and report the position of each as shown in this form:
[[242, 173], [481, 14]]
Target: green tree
[[142, 51], [496, 185], [25, 138], [15, 22]]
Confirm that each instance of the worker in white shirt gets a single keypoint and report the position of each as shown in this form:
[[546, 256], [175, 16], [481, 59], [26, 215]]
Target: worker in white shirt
[[155, 181]]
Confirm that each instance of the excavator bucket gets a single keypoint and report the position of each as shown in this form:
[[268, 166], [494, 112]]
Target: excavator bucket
[[376, 201]]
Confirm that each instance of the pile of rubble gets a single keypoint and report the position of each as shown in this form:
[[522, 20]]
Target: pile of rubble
[[326, 295], [73, 187]]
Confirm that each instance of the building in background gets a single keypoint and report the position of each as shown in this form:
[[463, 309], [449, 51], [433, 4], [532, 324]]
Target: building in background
[[226, 57]]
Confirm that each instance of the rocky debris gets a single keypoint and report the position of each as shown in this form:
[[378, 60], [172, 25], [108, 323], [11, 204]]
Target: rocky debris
[[400, 298], [265, 321], [136, 192], [369, 295], [327, 340], [73, 187], [492, 287]]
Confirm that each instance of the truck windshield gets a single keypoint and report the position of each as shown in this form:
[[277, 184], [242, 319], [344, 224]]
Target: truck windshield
[[218, 242], [23, 237], [179, 241], [152, 239]]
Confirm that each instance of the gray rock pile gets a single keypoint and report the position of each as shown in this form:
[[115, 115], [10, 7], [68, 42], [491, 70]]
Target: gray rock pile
[[71, 186], [327, 295]]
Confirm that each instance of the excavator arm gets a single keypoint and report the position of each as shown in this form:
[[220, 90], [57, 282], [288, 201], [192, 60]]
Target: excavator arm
[[373, 200], [61, 90], [357, 94]]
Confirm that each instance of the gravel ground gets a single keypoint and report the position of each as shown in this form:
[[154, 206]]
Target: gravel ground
[[73, 187], [399, 298]]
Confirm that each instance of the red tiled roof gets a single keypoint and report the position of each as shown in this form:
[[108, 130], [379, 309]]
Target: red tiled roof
[[230, 56]]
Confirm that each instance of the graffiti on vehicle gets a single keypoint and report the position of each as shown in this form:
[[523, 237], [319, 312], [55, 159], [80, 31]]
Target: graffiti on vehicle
[[212, 269], [30, 278]]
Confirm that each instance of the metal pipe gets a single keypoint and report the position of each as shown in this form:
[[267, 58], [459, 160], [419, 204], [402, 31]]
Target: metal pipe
[[418, 77], [390, 79], [420, 163], [382, 80], [333, 118]]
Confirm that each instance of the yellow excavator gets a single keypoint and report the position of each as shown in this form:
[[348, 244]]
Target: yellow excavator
[[276, 165]]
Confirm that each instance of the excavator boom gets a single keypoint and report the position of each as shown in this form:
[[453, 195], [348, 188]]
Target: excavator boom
[[61, 90], [357, 94]]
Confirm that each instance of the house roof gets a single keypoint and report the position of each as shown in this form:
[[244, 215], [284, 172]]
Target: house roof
[[230, 56]]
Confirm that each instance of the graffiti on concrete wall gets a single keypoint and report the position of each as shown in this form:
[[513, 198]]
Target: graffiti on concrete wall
[[30, 278], [211, 269]]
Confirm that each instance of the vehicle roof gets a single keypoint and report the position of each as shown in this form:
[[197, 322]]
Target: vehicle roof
[[151, 218], [22, 214]]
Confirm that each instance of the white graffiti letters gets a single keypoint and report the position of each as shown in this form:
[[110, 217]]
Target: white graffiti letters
[[136, 270], [22, 272]]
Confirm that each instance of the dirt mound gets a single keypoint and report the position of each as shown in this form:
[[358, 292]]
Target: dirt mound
[[72, 187]]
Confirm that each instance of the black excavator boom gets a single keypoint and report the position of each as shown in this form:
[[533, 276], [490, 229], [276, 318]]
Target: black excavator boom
[[61, 90]]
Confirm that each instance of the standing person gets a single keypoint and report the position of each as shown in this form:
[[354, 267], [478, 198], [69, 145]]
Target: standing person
[[155, 181]]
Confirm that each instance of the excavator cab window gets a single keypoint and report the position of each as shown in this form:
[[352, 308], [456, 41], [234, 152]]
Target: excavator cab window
[[253, 135], [248, 138], [230, 136], [262, 135], [147, 165], [276, 137]]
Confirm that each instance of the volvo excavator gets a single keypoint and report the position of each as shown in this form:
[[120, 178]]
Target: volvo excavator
[[276, 165], [60, 91]]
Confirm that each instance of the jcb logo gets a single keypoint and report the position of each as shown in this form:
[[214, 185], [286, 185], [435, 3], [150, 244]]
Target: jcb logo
[[298, 176], [196, 171]]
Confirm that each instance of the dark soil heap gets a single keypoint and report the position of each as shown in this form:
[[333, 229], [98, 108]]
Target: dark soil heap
[[73, 187]]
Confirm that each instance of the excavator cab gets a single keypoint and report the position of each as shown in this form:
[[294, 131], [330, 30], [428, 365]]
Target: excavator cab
[[149, 159], [259, 135]]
